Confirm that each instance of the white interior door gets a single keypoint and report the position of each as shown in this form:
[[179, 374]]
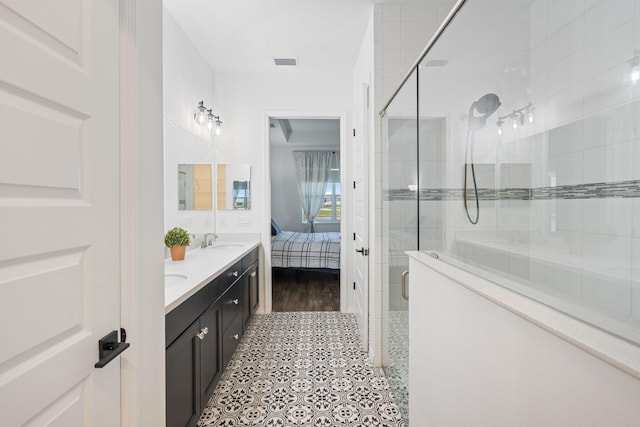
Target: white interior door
[[360, 263], [59, 259]]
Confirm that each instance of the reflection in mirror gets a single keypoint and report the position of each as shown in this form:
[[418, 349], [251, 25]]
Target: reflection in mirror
[[194, 187], [234, 187]]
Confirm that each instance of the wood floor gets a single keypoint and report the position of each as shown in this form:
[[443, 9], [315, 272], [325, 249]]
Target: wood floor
[[305, 291]]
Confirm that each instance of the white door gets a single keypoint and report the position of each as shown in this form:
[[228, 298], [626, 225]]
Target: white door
[[360, 216], [59, 211]]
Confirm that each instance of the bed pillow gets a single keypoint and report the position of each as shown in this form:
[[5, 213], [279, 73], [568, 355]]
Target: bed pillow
[[275, 228]]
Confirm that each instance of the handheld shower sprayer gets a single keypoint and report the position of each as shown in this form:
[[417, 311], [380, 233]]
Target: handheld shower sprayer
[[485, 107]]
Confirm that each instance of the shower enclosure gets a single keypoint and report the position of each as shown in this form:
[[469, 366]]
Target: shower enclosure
[[513, 151]]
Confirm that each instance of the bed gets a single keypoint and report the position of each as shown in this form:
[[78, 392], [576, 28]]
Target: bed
[[305, 251]]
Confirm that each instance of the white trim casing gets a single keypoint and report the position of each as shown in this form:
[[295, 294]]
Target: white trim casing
[[345, 300], [141, 219]]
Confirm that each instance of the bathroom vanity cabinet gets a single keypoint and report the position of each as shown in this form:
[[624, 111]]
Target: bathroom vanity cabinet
[[201, 335]]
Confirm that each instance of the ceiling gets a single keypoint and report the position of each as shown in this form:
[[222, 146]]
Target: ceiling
[[305, 132], [245, 35]]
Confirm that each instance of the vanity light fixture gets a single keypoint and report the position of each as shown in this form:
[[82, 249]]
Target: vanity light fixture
[[518, 118], [204, 117]]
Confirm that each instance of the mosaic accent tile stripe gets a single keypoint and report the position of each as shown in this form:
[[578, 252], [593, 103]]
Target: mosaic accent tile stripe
[[302, 369], [598, 190]]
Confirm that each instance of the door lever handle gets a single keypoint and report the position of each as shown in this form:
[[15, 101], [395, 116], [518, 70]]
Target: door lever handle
[[404, 284], [363, 251], [109, 348]]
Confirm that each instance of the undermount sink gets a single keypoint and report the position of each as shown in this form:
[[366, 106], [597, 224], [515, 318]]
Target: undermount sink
[[173, 279], [225, 245]]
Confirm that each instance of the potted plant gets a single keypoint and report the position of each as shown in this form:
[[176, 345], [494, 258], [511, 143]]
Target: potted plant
[[177, 239]]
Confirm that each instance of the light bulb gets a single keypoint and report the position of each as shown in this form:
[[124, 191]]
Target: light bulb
[[500, 122], [530, 116], [210, 120], [218, 129], [635, 74], [200, 114], [514, 122]]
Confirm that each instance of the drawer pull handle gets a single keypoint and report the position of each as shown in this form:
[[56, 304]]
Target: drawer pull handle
[[253, 274], [235, 273], [205, 330], [200, 335], [236, 301], [236, 336]]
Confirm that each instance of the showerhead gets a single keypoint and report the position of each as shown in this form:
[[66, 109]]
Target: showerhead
[[485, 106]]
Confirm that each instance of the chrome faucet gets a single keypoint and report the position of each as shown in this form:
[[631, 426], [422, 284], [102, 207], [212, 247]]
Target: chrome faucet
[[206, 243]]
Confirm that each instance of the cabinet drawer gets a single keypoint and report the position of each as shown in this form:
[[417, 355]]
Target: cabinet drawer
[[230, 275], [231, 304], [230, 340]]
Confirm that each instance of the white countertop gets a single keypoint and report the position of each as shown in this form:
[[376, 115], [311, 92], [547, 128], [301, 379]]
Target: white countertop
[[199, 267]]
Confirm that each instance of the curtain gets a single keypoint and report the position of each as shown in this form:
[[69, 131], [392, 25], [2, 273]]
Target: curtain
[[312, 172]]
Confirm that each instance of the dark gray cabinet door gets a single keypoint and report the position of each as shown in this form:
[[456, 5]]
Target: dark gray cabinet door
[[210, 355], [182, 380]]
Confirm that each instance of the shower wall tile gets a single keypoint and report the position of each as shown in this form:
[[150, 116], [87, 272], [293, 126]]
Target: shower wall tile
[[636, 221], [561, 12], [492, 37], [567, 72], [519, 37], [635, 162], [566, 139], [607, 253], [567, 168], [392, 62], [420, 12], [607, 292], [607, 90], [608, 163], [565, 280], [608, 216], [391, 12], [539, 61], [567, 214], [635, 279], [605, 15], [611, 49], [566, 41], [565, 247], [538, 22], [392, 34], [416, 35]]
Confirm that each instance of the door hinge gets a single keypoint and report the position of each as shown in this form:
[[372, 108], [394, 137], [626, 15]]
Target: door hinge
[[354, 131], [354, 185], [354, 236], [354, 286]]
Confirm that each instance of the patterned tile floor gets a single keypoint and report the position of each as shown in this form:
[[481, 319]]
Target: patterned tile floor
[[301, 369], [398, 369]]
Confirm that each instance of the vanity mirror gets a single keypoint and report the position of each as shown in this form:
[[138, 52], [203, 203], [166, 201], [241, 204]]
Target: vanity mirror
[[194, 187], [233, 187]]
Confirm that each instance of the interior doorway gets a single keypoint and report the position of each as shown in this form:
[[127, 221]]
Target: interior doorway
[[306, 213]]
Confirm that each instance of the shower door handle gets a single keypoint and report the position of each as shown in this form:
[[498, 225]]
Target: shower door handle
[[363, 251], [405, 295]]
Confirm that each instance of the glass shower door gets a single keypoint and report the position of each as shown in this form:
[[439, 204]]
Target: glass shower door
[[400, 234]]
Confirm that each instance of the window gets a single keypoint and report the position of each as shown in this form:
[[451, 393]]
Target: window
[[330, 211]]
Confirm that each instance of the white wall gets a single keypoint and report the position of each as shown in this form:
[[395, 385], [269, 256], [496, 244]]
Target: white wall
[[244, 100], [473, 362], [187, 80]]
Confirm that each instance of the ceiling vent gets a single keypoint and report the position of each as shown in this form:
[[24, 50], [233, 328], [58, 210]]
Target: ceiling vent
[[285, 61], [436, 63]]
